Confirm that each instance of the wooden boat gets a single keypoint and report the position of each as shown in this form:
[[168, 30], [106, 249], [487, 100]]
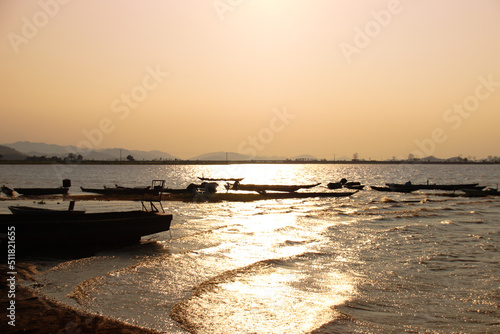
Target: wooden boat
[[36, 231], [481, 192], [7, 191], [66, 184], [121, 190], [205, 187], [446, 187], [345, 184], [220, 179], [334, 185], [263, 188], [27, 210], [252, 196], [308, 194], [42, 191], [399, 189], [143, 188]]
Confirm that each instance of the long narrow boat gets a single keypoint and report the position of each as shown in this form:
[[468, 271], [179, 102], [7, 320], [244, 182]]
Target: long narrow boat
[[209, 179], [205, 187], [448, 187], [32, 232], [263, 188], [481, 192], [42, 191], [121, 190], [399, 189], [251, 196]]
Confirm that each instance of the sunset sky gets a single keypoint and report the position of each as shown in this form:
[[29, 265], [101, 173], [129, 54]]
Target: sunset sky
[[266, 77]]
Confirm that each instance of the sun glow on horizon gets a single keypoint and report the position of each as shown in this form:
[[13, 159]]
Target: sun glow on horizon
[[372, 78]]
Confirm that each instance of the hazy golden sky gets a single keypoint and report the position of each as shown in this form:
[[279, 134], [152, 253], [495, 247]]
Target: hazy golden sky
[[265, 77]]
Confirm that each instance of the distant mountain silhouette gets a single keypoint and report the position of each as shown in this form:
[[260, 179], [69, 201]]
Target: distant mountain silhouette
[[42, 149], [8, 153]]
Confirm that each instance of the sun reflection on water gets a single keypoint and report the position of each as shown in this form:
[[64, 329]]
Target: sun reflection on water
[[269, 299], [271, 289], [263, 173]]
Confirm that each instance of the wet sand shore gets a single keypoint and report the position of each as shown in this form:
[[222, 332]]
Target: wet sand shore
[[36, 313]]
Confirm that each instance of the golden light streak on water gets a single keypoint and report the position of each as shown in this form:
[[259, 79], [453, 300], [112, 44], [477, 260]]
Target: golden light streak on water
[[273, 299]]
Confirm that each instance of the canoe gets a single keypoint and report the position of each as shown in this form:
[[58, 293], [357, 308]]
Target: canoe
[[263, 188], [398, 189], [250, 197], [205, 187], [209, 179], [481, 193], [42, 191], [447, 187], [66, 232], [121, 190]]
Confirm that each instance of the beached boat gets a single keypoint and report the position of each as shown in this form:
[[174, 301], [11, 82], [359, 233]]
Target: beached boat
[[263, 188], [28, 210], [42, 191], [41, 229]]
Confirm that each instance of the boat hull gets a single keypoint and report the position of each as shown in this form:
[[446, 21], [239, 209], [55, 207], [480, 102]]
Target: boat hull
[[481, 192], [26, 210], [121, 191], [7, 191], [41, 191], [91, 231], [348, 185], [392, 189], [446, 187], [250, 197], [280, 188]]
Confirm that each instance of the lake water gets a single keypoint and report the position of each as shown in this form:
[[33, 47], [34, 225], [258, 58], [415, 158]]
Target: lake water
[[370, 263]]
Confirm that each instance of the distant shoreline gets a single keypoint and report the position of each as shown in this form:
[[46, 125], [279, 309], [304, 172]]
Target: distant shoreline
[[239, 162]]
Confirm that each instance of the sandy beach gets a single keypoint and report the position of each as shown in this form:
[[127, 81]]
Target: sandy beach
[[36, 313]]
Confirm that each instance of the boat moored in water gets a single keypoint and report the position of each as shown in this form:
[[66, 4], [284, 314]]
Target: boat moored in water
[[209, 179], [481, 192], [447, 187], [118, 190], [345, 184], [263, 188], [45, 191], [392, 189]]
